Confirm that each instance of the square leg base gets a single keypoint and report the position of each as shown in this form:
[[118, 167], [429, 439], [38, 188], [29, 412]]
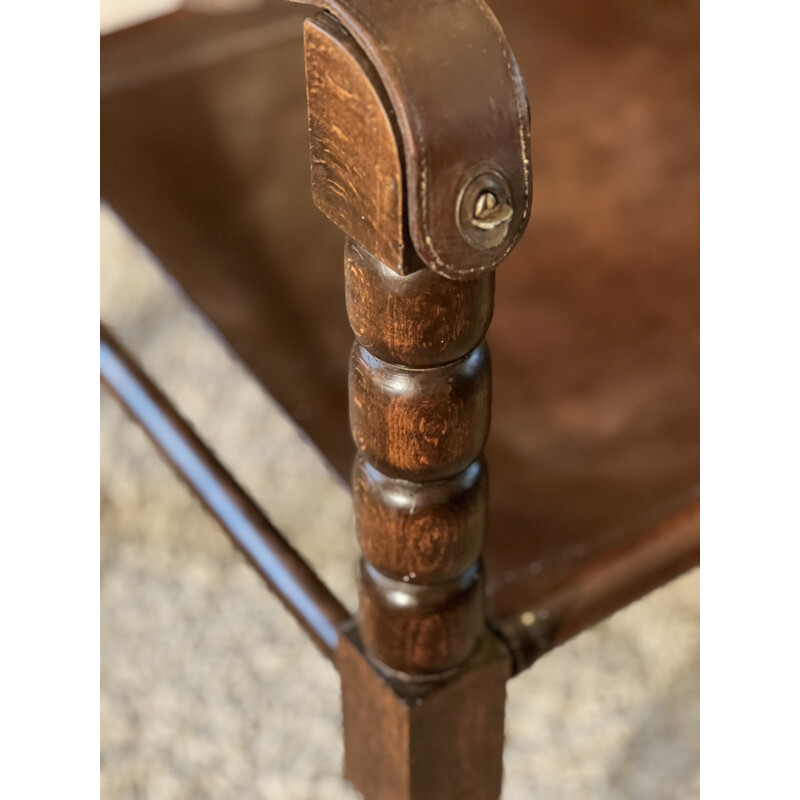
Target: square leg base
[[435, 740]]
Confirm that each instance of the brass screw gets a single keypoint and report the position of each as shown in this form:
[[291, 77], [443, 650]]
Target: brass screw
[[484, 213], [489, 213]]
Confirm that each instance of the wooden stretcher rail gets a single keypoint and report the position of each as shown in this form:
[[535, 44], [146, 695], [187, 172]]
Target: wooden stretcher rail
[[305, 596]]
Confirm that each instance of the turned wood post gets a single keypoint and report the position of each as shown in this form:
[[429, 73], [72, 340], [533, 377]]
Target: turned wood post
[[429, 210], [420, 390]]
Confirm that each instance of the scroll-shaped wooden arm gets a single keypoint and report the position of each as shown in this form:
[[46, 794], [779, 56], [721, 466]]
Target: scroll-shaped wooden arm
[[420, 154], [457, 98]]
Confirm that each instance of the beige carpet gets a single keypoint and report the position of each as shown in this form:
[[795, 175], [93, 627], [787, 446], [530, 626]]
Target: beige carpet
[[210, 690]]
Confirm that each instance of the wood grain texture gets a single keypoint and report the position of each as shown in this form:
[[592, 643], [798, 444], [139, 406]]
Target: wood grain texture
[[423, 532], [461, 109], [425, 740], [418, 319], [419, 485], [356, 174], [420, 386], [422, 424], [420, 629]]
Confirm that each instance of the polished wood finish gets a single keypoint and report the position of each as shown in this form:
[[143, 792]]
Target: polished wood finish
[[356, 170], [420, 434], [419, 320], [410, 423], [420, 424], [298, 587], [457, 95], [419, 416], [436, 739], [420, 531], [593, 444], [420, 629]]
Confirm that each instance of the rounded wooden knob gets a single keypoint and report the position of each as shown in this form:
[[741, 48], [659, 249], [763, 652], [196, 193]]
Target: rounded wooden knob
[[418, 320], [420, 629], [421, 424], [423, 532]]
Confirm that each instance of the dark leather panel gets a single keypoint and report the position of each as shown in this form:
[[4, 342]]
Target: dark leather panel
[[595, 430]]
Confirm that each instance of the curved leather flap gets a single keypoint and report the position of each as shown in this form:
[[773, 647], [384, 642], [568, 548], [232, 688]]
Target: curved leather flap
[[462, 112]]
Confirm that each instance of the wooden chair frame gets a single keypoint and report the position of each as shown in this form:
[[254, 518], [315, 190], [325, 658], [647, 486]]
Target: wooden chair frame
[[431, 203]]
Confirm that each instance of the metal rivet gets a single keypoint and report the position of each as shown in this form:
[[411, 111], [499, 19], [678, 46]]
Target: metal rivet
[[490, 213], [485, 210], [486, 202]]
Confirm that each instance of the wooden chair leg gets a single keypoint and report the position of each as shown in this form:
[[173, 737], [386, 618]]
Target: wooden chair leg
[[423, 679], [437, 739]]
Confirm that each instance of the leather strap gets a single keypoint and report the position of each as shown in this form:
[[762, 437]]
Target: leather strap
[[462, 113]]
